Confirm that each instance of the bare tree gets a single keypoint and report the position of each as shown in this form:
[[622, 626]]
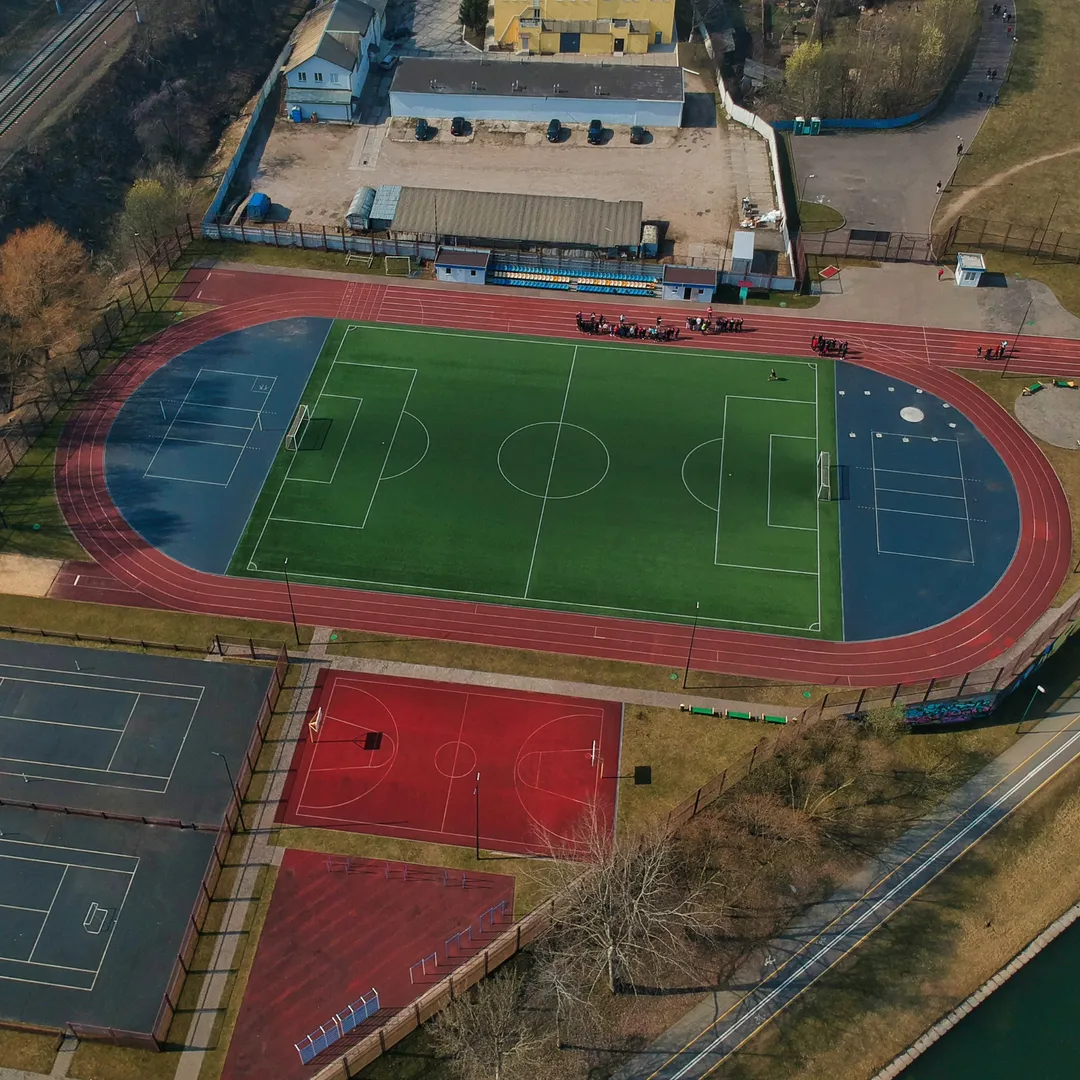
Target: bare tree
[[490, 1033], [632, 913]]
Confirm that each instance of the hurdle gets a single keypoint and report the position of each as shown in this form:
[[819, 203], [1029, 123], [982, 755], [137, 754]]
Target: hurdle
[[454, 941], [428, 965], [493, 915]]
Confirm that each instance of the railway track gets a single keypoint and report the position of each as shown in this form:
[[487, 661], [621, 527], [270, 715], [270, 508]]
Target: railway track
[[20, 92]]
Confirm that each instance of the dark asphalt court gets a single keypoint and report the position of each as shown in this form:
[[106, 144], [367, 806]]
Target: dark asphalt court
[[123, 732], [93, 910]]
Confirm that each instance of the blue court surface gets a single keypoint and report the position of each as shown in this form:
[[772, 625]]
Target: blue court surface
[[92, 915], [190, 449], [929, 518]]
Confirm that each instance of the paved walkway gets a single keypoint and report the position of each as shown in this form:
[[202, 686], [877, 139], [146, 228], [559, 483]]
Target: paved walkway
[[886, 180], [466, 677]]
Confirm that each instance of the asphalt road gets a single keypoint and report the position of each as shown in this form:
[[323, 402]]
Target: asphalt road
[[716, 1029]]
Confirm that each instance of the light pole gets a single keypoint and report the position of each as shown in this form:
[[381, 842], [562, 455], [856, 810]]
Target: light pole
[[808, 177], [690, 651], [1031, 701], [232, 787], [292, 609], [1016, 340], [476, 799]]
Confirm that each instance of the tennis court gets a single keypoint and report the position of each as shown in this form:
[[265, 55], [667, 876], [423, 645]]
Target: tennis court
[[590, 476], [436, 762]]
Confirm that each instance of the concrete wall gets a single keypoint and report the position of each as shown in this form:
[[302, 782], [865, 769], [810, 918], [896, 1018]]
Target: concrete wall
[[537, 110]]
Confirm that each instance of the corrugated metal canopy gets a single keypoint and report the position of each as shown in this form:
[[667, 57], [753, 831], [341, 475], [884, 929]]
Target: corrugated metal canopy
[[541, 219]]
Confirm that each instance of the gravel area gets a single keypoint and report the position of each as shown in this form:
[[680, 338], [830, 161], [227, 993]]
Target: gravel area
[[1053, 415]]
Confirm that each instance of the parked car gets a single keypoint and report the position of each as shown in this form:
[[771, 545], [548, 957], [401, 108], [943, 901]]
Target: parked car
[[458, 126], [423, 129], [554, 131], [596, 132], [637, 135]]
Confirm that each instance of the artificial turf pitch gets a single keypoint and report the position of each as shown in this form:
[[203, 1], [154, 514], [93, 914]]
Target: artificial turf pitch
[[590, 476]]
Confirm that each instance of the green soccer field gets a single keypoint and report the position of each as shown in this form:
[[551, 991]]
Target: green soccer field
[[589, 476]]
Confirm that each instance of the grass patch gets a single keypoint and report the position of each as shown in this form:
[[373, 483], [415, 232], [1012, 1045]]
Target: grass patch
[[1066, 463], [296, 258], [25, 1050], [935, 952], [196, 632], [816, 217]]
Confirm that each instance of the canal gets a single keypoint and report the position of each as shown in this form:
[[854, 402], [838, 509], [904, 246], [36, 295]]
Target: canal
[[1028, 1028]]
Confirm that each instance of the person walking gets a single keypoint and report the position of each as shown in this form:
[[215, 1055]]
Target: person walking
[[773, 377], [941, 272], [939, 187]]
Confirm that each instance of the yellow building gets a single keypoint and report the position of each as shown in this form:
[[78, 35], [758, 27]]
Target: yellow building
[[595, 27]]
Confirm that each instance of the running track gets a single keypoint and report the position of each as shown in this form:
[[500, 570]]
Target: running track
[[919, 355]]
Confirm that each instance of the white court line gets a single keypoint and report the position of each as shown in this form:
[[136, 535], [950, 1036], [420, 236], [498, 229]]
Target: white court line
[[106, 689], [768, 486], [922, 494], [967, 512], [770, 569], [453, 768], [41, 928], [551, 472], [207, 442], [183, 742], [344, 446], [318, 524], [185, 480], [122, 733], [922, 513], [390, 444], [817, 501], [161, 443], [210, 423], [82, 768], [19, 907], [720, 480], [60, 723], [935, 558], [873, 479], [909, 472]]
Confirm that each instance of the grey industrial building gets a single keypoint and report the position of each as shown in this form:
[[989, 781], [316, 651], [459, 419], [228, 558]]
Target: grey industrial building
[[647, 94], [510, 221]]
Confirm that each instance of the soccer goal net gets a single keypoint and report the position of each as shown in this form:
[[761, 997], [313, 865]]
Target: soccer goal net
[[296, 429], [824, 484], [398, 265]]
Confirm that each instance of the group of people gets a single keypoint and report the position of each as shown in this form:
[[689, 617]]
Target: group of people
[[992, 352], [720, 325], [597, 324], [827, 346]]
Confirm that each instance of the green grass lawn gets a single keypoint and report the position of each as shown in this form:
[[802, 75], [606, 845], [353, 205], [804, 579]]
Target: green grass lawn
[[592, 476]]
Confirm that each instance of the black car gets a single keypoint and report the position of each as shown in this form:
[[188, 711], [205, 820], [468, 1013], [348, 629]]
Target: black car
[[554, 131], [596, 132], [458, 125], [637, 135], [423, 130]]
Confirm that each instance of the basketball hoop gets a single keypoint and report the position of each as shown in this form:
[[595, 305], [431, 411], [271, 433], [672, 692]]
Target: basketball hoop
[[315, 724]]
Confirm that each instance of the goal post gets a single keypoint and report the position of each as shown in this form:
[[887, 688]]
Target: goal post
[[315, 725], [398, 265], [295, 431], [824, 490]]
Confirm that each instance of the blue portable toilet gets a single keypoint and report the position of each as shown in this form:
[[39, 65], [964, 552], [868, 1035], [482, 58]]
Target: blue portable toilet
[[296, 114], [258, 208]]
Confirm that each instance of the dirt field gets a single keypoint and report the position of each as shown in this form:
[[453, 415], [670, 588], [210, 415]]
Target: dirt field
[[692, 178]]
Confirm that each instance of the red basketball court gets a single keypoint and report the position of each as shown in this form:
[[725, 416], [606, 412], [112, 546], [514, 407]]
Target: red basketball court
[[400, 757], [337, 929]]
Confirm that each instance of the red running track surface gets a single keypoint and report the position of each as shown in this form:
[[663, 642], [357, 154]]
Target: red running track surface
[[331, 936], [541, 761], [916, 354]]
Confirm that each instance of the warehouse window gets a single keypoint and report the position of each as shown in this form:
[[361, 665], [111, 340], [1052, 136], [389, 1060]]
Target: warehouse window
[[301, 76], [318, 76]]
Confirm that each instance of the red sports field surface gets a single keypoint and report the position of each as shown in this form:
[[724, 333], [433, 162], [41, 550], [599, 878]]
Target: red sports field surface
[[542, 760], [917, 354], [330, 937]]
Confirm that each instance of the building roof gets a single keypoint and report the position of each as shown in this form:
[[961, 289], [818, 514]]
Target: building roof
[[541, 219], [332, 32], [463, 257], [701, 277], [968, 260], [433, 75], [743, 245]]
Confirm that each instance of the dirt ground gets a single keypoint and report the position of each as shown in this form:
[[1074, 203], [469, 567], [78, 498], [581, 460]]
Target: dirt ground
[[692, 178], [21, 575]]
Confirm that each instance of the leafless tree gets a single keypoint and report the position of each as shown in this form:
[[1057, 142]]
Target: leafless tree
[[490, 1033]]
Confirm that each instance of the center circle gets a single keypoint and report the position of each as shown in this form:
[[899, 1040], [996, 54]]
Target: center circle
[[455, 759], [553, 460]]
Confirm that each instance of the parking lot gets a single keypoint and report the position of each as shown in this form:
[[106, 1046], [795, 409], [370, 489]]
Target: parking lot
[[691, 177]]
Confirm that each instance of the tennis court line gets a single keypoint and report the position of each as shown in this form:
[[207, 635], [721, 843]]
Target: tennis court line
[[551, 472], [922, 494], [61, 723], [108, 689], [52, 903], [122, 733]]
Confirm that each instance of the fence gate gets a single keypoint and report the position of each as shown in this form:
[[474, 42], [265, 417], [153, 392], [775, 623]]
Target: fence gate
[[876, 245]]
